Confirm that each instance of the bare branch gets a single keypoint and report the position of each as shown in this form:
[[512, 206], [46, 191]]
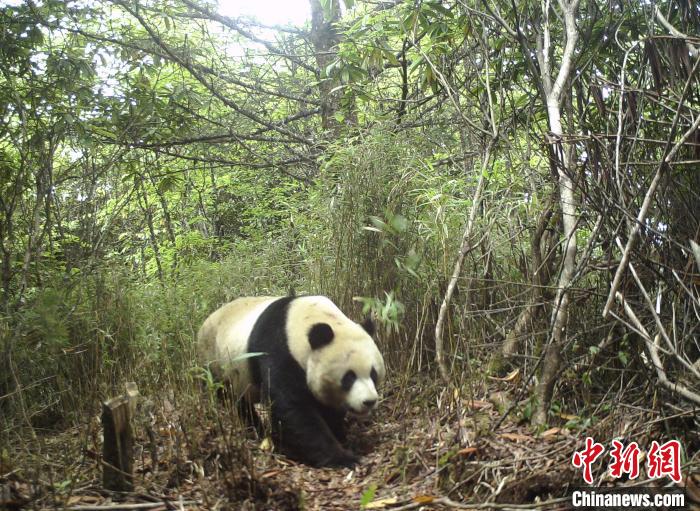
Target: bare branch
[[660, 171], [653, 348], [234, 25], [465, 248], [569, 12], [694, 50], [696, 251]]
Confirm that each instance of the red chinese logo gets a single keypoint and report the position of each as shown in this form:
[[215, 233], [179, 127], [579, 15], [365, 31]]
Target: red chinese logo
[[665, 460], [625, 460], [662, 460], [586, 457]]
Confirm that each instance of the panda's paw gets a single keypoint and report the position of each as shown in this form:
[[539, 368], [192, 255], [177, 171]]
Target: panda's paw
[[340, 435], [343, 458]]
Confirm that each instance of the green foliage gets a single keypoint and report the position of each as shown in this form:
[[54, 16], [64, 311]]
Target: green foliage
[[389, 311], [84, 335], [579, 423], [368, 495], [445, 458], [155, 164], [212, 386], [377, 212], [529, 409]]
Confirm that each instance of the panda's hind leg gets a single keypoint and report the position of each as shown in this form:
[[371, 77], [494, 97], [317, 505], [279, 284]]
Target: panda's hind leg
[[250, 417]]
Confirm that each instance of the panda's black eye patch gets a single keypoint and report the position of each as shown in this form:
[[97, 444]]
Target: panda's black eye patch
[[320, 335], [348, 380], [373, 375]]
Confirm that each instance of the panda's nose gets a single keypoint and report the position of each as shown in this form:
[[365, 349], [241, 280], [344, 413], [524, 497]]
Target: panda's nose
[[369, 403]]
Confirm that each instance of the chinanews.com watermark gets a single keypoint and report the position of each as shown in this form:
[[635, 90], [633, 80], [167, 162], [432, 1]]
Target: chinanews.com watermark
[[628, 498], [662, 461]]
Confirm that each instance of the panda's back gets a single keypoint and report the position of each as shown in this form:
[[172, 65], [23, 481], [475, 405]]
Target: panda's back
[[275, 326], [223, 339]]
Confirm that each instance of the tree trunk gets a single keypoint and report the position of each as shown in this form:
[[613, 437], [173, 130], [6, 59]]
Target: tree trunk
[[567, 200], [540, 275], [325, 39], [146, 208]]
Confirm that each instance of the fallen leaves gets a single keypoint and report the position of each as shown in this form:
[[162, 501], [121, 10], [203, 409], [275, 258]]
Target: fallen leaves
[[477, 404], [393, 501], [467, 451], [382, 503], [512, 377], [516, 437]]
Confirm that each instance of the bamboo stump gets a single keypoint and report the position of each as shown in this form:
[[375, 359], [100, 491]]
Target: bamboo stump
[[117, 449]]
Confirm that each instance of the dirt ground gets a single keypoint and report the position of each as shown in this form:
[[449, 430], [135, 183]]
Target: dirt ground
[[422, 450]]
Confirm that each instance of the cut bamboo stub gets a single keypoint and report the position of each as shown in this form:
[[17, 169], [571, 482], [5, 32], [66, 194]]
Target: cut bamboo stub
[[117, 449]]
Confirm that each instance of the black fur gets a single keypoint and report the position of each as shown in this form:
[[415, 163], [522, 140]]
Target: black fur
[[306, 429], [320, 335], [369, 327]]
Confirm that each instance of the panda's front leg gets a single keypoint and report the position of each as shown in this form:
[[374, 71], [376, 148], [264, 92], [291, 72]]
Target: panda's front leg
[[335, 420], [301, 429]]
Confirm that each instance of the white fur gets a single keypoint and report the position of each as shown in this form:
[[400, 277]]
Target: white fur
[[362, 392], [224, 336]]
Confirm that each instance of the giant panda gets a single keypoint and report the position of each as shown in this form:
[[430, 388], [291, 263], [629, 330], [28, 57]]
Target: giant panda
[[303, 355]]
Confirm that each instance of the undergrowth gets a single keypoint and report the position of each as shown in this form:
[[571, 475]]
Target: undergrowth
[[378, 235]]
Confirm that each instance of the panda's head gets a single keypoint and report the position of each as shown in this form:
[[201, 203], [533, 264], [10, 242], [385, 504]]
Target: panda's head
[[345, 369]]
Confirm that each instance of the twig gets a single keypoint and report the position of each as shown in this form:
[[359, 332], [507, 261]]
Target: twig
[[137, 505], [659, 325], [444, 501], [185, 63], [618, 138], [694, 50], [476, 200]]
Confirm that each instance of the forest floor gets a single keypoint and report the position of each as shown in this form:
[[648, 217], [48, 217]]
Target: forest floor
[[415, 455]]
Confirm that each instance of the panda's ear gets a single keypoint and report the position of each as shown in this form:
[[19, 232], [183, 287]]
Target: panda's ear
[[320, 335], [368, 325]]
